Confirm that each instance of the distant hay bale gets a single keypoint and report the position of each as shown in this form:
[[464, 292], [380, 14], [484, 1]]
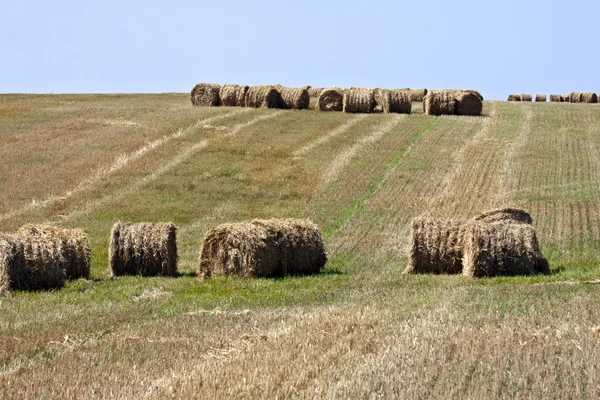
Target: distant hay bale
[[314, 92], [514, 215], [468, 103], [526, 97], [556, 98], [439, 102], [502, 249], [359, 100], [589, 97], [566, 98], [575, 97], [232, 95], [400, 101], [436, 246], [417, 95], [30, 263], [331, 99], [147, 249], [294, 98], [75, 247], [475, 92], [205, 95], [514, 97], [262, 248], [540, 98], [262, 97]]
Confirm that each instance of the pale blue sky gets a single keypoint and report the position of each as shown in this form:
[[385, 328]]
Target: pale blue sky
[[497, 47]]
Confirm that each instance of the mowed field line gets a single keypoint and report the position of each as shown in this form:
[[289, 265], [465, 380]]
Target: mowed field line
[[342, 160], [181, 157], [119, 163], [323, 139]]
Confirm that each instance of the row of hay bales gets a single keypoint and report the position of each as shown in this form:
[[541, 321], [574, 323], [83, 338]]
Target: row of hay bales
[[42, 257], [453, 102], [500, 242], [573, 97], [231, 95]]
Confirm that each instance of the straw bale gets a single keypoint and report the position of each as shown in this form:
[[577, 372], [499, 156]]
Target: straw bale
[[30, 263], [526, 97], [359, 100], [147, 249], [262, 248], [436, 246], [400, 101], [315, 92], [566, 98], [556, 98], [475, 92], [439, 102], [589, 97], [575, 97], [262, 97], [514, 97], [514, 215], [294, 98], [468, 103], [417, 95], [502, 249], [540, 98], [205, 95], [75, 247], [331, 99], [233, 95]]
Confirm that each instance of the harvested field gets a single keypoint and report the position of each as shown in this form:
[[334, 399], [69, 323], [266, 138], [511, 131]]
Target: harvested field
[[359, 100], [514, 97], [147, 249], [540, 98], [262, 248], [232, 95], [294, 98], [263, 97], [75, 247], [206, 95], [331, 99], [436, 246], [526, 97]]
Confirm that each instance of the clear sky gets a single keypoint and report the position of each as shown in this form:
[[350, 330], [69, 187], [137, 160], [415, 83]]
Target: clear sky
[[497, 46]]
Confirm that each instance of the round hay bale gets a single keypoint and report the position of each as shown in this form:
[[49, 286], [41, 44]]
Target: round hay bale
[[315, 92], [589, 97], [436, 246], [575, 97], [514, 97], [526, 97], [75, 247], [540, 98], [233, 95], [359, 100], [30, 263], [514, 215], [439, 102], [475, 92], [468, 103], [566, 98], [147, 249], [262, 248], [417, 95], [205, 95], [331, 99], [262, 97], [294, 98], [502, 249], [400, 101], [556, 98]]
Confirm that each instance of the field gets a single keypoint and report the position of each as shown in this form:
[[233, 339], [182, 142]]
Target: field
[[361, 329]]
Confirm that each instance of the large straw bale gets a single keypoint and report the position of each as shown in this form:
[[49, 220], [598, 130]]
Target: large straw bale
[[233, 95], [331, 99], [526, 97], [206, 95], [262, 97], [475, 92], [436, 246], [294, 98], [566, 98], [540, 98], [417, 95], [30, 263], [508, 214], [467, 103], [262, 248], [514, 97], [75, 247], [556, 98], [359, 100], [147, 249], [315, 92], [501, 249], [393, 101], [589, 97], [575, 97], [439, 102]]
